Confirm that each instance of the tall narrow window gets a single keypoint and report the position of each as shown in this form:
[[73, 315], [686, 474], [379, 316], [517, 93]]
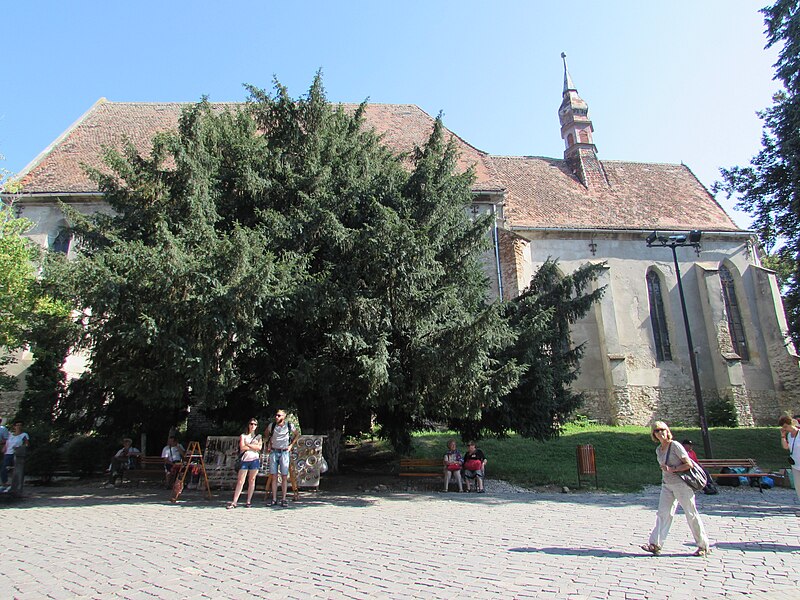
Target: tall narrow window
[[735, 326], [62, 241], [658, 318]]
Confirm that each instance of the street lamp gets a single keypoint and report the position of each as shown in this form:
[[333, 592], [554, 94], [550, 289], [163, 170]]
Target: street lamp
[[678, 241]]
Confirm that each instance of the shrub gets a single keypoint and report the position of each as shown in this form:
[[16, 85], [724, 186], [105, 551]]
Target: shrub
[[41, 462], [721, 412], [87, 455]]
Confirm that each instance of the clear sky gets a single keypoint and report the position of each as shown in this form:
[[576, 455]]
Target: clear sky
[[665, 81]]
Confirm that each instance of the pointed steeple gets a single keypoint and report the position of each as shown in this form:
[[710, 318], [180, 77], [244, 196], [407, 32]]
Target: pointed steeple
[[568, 85], [576, 131]]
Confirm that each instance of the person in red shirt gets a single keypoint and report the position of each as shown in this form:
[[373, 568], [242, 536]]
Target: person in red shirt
[[689, 445]]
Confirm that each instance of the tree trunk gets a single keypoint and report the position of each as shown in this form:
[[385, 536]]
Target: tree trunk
[[331, 447]]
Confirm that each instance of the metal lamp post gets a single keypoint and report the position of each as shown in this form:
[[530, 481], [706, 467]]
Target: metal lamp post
[[679, 241]]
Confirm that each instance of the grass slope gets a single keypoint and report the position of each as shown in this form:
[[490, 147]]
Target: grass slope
[[625, 456]]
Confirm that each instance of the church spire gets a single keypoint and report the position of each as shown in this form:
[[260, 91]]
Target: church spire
[[576, 131], [568, 85]]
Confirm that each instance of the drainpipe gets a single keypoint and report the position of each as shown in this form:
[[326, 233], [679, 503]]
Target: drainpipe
[[496, 239]]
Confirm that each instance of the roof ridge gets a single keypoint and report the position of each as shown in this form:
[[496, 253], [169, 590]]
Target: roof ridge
[[44, 153]]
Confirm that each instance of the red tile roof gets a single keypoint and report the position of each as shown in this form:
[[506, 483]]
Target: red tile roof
[[541, 192], [58, 169]]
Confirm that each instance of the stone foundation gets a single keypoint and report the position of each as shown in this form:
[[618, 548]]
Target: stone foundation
[[640, 405]]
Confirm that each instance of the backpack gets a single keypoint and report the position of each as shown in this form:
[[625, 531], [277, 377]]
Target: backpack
[[272, 429]]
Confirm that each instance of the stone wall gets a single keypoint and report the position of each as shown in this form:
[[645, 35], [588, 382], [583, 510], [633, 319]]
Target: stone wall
[[640, 405]]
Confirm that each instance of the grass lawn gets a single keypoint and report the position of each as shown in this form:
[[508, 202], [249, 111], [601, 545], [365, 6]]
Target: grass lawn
[[625, 456]]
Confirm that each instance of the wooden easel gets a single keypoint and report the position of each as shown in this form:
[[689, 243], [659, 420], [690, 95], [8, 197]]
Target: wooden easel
[[292, 480], [192, 452]]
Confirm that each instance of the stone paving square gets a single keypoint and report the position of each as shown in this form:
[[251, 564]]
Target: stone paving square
[[132, 544]]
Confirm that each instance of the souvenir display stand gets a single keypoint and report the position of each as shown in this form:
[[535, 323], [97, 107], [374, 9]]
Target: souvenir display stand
[[192, 459]]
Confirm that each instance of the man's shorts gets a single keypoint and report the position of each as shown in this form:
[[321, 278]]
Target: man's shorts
[[277, 457], [251, 465], [473, 474]]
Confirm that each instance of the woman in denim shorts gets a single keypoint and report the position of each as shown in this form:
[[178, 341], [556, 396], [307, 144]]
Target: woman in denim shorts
[[250, 449]]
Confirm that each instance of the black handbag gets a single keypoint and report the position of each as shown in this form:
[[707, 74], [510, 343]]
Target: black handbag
[[695, 477]]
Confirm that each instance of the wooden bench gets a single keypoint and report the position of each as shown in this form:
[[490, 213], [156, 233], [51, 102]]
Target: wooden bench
[[746, 463], [421, 467]]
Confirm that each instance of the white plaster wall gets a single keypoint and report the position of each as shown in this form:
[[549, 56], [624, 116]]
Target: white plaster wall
[[650, 387]]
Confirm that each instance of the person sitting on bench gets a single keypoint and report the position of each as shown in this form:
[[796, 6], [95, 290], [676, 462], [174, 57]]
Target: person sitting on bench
[[125, 459], [173, 458]]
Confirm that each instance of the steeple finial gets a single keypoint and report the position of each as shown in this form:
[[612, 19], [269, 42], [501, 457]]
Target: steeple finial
[[568, 85]]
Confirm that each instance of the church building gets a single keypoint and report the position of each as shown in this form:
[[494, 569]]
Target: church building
[[577, 209]]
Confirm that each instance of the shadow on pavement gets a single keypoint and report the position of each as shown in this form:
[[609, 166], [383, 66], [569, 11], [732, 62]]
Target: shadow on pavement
[[757, 546], [597, 552]]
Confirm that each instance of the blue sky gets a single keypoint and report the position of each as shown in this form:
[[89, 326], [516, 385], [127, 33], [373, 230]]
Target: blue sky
[[665, 81]]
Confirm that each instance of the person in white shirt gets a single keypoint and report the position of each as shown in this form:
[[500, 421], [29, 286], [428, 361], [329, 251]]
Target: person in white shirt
[[124, 459], [4, 435], [19, 438], [249, 453], [281, 436], [173, 457]]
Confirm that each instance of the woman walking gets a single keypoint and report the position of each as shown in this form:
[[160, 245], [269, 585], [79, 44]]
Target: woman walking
[[673, 458], [789, 441], [250, 449]]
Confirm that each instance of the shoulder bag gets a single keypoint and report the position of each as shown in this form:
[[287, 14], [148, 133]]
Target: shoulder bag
[[695, 477]]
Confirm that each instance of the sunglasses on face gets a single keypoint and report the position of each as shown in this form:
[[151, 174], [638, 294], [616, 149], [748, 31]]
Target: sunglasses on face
[[659, 430], [253, 423]]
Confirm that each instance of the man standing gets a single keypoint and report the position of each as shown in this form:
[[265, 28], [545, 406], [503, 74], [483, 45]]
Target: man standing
[[281, 437]]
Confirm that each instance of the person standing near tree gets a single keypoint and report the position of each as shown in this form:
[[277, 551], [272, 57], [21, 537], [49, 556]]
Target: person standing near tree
[[19, 438], [281, 436], [250, 450], [789, 441]]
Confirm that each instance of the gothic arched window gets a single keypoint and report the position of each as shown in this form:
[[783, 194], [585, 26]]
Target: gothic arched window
[[61, 241], [658, 318], [735, 326]]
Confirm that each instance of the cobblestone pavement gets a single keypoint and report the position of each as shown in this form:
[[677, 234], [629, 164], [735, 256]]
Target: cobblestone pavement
[[90, 543]]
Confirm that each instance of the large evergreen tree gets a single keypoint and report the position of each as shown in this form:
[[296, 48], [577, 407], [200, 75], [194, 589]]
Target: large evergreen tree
[[277, 254], [280, 254], [769, 189]]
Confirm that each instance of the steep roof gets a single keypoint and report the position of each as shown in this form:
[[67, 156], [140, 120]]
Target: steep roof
[[540, 192], [543, 193], [58, 170]]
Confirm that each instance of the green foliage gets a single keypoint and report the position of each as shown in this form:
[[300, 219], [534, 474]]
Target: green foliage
[[87, 455], [41, 462], [769, 189], [280, 255], [541, 316], [17, 285], [721, 412]]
